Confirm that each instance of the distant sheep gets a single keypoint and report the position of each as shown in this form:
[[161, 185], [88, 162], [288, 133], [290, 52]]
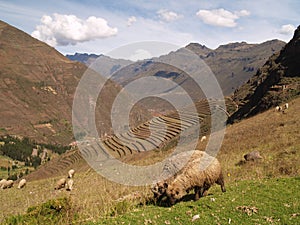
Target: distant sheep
[[71, 173], [2, 182], [193, 176], [278, 108], [7, 184], [203, 138], [252, 156], [286, 106], [69, 185], [22, 183], [60, 184]]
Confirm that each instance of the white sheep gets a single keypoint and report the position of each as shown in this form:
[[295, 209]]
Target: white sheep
[[203, 138], [71, 173], [2, 182], [7, 184], [22, 183], [69, 185], [60, 184], [286, 106]]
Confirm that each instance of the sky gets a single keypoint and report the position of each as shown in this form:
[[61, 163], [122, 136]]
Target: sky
[[90, 26]]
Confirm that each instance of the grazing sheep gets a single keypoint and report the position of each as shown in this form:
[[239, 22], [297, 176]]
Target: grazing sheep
[[22, 183], [2, 182], [71, 173], [199, 174], [69, 185], [60, 184], [286, 106], [203, 139], [252, 156], [7, 184], [172, 166]]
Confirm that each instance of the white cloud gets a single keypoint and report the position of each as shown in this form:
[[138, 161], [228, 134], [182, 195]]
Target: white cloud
[[168, 16], [131, 20], [221, 17], [62, 30], [287, 29]]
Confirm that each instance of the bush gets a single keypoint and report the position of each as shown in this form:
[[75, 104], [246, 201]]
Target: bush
[[54, 211]]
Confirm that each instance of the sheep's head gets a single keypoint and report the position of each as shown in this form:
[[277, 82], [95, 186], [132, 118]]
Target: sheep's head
[[174, 193], [159, 189]]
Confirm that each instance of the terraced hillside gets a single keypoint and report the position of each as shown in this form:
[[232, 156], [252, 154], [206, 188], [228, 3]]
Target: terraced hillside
[[154, 134], [159, 133]]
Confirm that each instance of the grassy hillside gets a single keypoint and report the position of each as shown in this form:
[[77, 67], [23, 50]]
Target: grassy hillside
[[268, 189]]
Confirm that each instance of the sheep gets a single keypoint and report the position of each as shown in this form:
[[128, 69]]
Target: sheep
[[60, 184], [71, 173], [22, 183], [172, 166], [286, 106], [203, 138], [69, 185], [2, 182], [195, 176], [278, 108], [210, 175], [7, 184]]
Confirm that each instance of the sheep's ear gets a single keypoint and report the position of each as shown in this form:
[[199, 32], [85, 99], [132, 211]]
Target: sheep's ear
[[165, 185]]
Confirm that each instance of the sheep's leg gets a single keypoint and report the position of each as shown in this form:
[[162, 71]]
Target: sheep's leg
[[198, 191], [220, 181], [204, 189]]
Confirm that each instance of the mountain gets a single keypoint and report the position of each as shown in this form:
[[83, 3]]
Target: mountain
[[83, 58], [276, 82], [37, 86], [233, 64], [108, 65]]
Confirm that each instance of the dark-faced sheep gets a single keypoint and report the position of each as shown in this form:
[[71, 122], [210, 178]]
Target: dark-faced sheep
[[60, 184], [172, 166], [22, 183], [7, 184], [199, 174]]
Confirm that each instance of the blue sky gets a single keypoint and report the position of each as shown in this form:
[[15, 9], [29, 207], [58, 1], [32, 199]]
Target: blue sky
[[99, 26]]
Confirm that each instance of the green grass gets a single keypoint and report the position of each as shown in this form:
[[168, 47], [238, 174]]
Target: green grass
[[267, 201]]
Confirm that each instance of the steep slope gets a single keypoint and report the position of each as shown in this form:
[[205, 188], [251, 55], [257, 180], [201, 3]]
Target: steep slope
[[37, 86], [233, 64], [274, 83]]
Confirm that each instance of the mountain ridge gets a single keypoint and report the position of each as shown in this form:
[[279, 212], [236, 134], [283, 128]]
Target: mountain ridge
[[277, 81]]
